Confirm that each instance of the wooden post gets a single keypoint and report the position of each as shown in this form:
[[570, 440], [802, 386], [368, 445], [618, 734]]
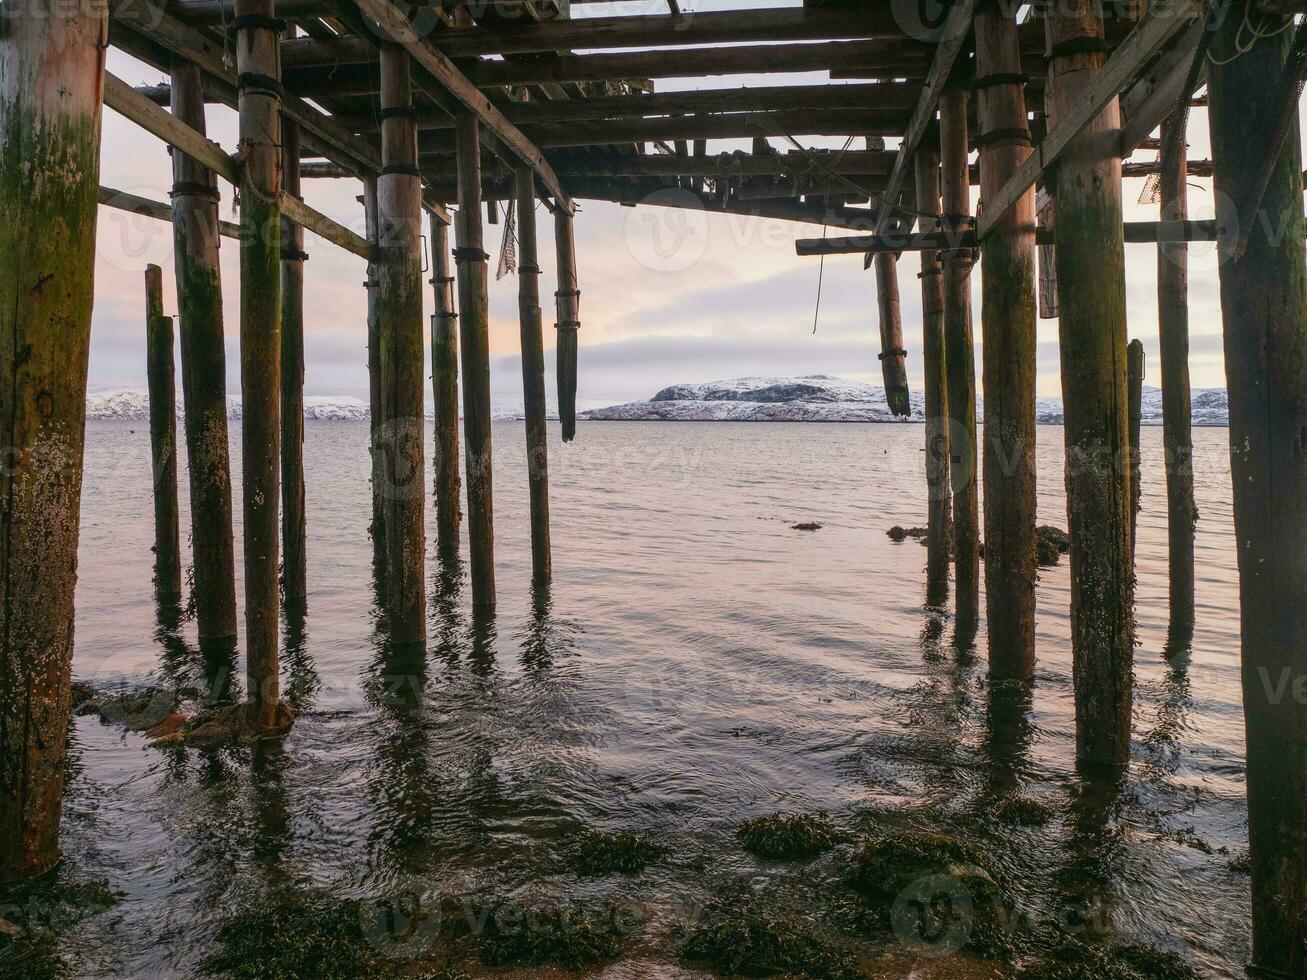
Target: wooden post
[[960, 364], [294, 532], [444, 389], [51, 72], [1008, 319], [1264, 304], [533, 374], [260, 142], [204, 374], [893, 356], [939, 525], [163, 437], [474, 328], [1177, 411], [376, 411], [1135, 400], [1092, 331], [568, 302], [399, 296]]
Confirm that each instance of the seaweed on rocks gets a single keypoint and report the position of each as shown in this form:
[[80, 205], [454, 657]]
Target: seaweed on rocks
[[788, 836]]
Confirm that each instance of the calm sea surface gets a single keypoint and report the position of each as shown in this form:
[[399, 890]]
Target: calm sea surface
[[699, 663]]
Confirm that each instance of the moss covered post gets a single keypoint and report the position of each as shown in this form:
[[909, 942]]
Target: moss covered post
[[444, 390], [940, 523], [399, 296], [568, 302], [258, 64], [294, 531], [474, 329], [1135, 401], [51, 83], [533, 375], [204, 374], [960, 365], [159, 373], [893, 356], [1264, 305], [1177, 409], [1092, 340], [1007, 259]]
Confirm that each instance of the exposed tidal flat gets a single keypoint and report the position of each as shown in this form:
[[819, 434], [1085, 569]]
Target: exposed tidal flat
[[719, 746]]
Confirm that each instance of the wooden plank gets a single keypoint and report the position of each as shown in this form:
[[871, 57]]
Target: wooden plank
[[123, 99], [322, 226], [448, 75], [1136, 232], [1161, 23], [956, 30], [1154, 95], [134, 204]]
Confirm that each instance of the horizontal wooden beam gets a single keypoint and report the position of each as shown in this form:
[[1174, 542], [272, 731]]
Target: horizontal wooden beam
[[212, 13], [322, 226], [897, 96], [134, 204], [739, 125], [397, 26], [1136, 232], [1163, 21]]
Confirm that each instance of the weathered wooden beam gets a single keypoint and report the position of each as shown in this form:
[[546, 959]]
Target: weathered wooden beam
[[474, 330], [195, 228], [1090, 255], [1155, 93], [939, 536], [893, 357], [125, 100], [309, 63], [1163, 21], [533, 377], [960, 364], [50, 74], [163, 438], [1264, 307], [294, 531], [376, 408], [1135, 400], [1134, 232], [447, 74], [260, 325], [444, 391], [399, 295], [135, 204], [568, 325], [955, 31], [1177, 410], [217, 13], [315, 221], [736, 125]]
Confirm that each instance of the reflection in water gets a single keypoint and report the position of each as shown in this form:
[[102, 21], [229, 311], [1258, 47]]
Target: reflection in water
[[301, 680], [1097, 856], [1008, 733], [210, 671]]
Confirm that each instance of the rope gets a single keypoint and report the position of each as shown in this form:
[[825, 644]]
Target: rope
[[821, 268]]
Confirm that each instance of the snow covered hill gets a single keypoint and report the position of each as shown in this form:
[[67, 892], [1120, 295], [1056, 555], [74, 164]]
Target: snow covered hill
[[821, 398]]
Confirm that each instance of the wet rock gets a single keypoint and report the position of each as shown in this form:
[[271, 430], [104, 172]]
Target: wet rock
[[738, 935], [1054, 536], [574, 936], [810, 526], [897, 533], [1075, 960], [82, 693], [232, 725], [136, 711], [1022, 811], [597, 853], [788, 836], [884, 868]]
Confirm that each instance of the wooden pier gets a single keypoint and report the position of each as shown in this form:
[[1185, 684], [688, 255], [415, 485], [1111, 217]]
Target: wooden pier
[[453, 104]]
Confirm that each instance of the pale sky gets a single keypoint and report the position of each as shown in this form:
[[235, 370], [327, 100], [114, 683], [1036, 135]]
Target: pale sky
[[734, 300]]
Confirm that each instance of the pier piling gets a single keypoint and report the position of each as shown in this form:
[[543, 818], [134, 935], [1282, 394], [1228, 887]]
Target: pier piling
[[960, 366], [939, 524], [1135, 400], [260, 141], [474, 329], [51, 74], [533, 375], [1092, 340], [444, 390], [568, 302], [1007, 259], [399, 296], [376, 409], [1264, 305], [1177, 409], [893, 356], [159, 372], [294, 531], [204, 373]]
